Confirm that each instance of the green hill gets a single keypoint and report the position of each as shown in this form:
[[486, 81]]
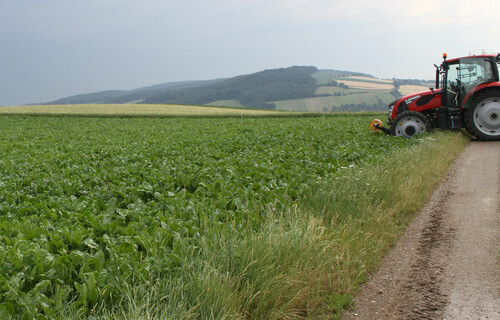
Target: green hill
[[297, 88]]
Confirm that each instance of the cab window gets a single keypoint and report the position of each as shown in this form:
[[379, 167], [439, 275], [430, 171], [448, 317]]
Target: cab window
[[474, 71]]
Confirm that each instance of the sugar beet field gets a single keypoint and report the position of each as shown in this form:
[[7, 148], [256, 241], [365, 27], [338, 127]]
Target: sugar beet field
[[153, 218]]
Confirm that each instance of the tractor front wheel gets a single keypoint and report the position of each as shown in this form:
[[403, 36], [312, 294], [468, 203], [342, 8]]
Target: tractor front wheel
[[409, 124], [482, 119]]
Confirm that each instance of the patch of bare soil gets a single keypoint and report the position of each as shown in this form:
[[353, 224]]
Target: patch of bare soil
[[446, 265]]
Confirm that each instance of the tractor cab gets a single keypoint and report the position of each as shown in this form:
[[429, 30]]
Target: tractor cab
[[464, 75]]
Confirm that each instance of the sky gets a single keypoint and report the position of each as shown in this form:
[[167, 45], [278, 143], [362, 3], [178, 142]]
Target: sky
[[51, 49]]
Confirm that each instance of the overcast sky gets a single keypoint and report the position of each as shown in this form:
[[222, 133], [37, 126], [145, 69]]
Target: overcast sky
[[56, 48]]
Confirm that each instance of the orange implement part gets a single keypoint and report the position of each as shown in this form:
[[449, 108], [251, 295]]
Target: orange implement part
[[375, 125]]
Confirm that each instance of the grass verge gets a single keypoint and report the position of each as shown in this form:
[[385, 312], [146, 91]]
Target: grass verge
[[308, 261]]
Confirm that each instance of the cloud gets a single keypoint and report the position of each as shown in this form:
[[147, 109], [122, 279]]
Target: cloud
[[423, 14]]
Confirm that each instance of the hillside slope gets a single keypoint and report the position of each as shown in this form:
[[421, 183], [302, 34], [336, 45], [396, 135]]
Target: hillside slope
[[297, 88], [128, 96]]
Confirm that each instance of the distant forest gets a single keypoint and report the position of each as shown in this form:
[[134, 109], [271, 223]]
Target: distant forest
[[253, 91]]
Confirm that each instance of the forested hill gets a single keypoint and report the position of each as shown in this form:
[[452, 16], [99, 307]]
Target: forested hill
[[254, 90], [297, 88]]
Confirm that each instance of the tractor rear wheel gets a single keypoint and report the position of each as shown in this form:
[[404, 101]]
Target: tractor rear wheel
[[482, 119], [409, 124]]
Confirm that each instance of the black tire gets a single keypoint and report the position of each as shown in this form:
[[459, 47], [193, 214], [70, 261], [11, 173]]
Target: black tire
[[482, 118], [409, 124]]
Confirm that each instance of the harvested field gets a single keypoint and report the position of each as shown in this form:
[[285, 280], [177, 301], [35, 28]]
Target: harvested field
[[130, 109], [370, 79], [367, 85], [410, 89]]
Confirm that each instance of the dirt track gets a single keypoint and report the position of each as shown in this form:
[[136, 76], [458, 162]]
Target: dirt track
[[447, 264]]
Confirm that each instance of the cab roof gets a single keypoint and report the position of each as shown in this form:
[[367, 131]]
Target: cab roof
[[490, 55]]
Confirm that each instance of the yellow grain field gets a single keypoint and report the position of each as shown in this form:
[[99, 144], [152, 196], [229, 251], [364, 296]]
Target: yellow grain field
[[370, 79], [367, 85], [410, 89], [132, 109]]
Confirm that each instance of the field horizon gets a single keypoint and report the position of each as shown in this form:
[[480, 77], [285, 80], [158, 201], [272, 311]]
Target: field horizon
[[133, 109], [319, 90]]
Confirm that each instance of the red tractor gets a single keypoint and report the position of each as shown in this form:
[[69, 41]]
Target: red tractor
[[467, 95]]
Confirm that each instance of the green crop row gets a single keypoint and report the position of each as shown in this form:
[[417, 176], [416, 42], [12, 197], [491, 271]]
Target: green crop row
[[91, 206]]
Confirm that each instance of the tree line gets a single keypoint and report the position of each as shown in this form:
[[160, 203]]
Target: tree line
[[253, 91]]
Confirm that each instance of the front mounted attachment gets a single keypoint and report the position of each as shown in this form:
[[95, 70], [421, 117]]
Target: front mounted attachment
[[376, 125]]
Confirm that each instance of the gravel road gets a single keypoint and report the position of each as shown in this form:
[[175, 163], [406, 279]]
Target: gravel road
[[447, 264]]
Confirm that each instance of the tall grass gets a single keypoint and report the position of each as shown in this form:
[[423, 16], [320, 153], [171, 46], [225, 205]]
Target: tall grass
[[309, 260]]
